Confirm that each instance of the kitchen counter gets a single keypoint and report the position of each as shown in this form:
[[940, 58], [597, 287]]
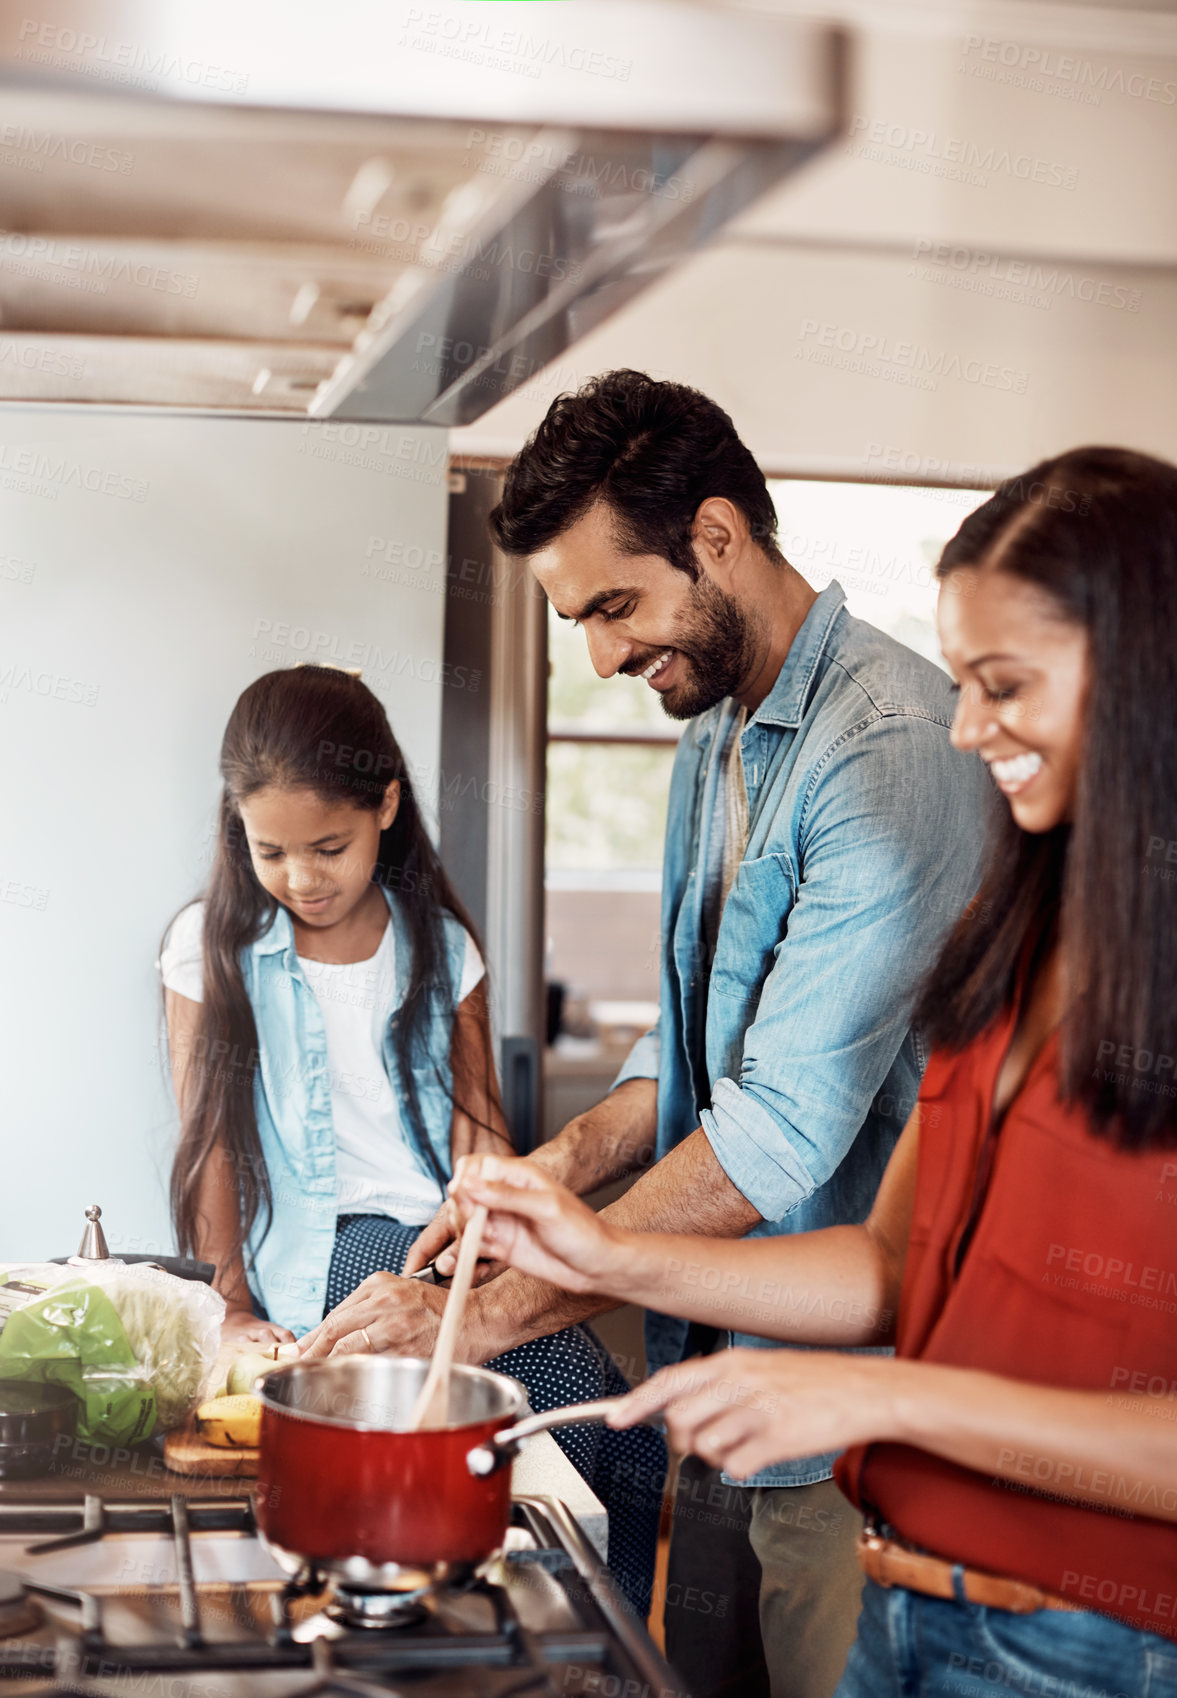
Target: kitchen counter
[[542, 1470], [118, 1474]]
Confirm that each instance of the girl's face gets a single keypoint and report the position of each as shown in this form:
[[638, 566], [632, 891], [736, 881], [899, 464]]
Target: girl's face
[[315, 856], [1021, 670]]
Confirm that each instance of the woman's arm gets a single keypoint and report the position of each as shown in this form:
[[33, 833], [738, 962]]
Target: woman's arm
[[1111, 1450], [838, 1287], [746, 1409], [478, 1123], [779, 1286], [217, 1197]]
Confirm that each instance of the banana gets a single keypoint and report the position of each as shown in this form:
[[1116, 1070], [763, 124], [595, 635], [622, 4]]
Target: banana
[[230, 1422]]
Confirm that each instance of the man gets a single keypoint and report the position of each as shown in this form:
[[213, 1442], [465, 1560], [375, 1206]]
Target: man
[[822, 835]]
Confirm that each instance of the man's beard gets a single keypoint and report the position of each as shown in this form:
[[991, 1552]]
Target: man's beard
[[716, 641]]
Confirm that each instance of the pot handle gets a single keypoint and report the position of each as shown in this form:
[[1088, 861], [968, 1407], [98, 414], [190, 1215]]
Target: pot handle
[[486, 1459]]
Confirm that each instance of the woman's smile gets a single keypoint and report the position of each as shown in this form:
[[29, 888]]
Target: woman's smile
[[1014, 773], [1022, 672]]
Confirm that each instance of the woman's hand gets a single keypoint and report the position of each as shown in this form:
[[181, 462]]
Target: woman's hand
[[537, 1225], [241, 1327], [742, 1410]]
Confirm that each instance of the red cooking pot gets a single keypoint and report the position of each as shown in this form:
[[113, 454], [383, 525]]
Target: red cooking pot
[[344, 1490]]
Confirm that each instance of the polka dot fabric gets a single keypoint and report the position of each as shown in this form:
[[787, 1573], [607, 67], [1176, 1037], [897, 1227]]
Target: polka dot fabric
[[625, 1470]]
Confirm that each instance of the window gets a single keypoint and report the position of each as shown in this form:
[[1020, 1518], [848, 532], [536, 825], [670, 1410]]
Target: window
[[611, 747], [880, 541]]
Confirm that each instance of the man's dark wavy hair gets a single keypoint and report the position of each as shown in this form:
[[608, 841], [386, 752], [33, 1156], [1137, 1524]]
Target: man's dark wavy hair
[[652, 451]]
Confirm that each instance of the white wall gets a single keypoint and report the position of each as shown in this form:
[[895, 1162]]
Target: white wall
[[150, 567]]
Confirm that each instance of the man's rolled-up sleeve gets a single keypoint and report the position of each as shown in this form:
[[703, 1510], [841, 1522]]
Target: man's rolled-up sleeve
[[890, 845]]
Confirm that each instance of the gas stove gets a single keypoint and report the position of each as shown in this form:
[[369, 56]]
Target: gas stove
[[177, 1597]]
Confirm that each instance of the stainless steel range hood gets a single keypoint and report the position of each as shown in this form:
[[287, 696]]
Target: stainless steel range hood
[[373, 211]]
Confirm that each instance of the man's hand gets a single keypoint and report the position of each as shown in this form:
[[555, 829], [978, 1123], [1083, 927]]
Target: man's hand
[[537, 1225], [400, 1315], [432, 1241], [438, 1244], [743, 1410]]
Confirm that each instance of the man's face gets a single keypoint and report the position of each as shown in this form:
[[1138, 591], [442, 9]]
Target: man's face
[[691, 642]]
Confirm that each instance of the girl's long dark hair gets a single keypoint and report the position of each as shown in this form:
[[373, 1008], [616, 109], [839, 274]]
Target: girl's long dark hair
[[1096, 530], [310, 728]]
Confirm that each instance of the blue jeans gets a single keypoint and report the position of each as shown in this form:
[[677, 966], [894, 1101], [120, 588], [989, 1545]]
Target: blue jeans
[[910, 1646]]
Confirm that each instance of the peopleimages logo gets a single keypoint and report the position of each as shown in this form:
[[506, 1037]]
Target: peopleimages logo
[[35, 356], [97, 263], [120, 61], [897, 360], [473, 37], [957, 157], [1039, 68], [536, 159], [57, 686], [1021, 281], [39, 146], [53, 474]]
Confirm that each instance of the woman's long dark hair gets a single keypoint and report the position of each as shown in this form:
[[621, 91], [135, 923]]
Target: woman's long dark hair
[[310, 728], [1096, 530]]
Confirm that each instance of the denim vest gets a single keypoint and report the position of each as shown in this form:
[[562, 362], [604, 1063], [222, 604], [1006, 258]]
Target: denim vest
[[288, 1264], [793, 1047]]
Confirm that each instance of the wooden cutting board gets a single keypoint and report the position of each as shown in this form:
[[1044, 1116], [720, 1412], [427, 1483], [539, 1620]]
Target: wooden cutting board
[[184, 1452]]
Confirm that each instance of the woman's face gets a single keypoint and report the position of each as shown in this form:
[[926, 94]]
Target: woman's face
[[1021, 670], [314, 856]]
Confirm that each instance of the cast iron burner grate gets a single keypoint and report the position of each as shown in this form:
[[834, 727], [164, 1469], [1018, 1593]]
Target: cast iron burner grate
[[19, 1613], [547, 1622]]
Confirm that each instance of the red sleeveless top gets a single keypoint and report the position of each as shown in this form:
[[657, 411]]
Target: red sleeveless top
[[1069, 1279]]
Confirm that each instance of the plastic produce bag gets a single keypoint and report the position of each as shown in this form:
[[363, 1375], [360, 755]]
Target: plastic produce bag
[[135, 1345]]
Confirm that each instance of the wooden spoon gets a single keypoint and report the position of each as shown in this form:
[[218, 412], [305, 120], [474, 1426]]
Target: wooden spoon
[[432, 1406]]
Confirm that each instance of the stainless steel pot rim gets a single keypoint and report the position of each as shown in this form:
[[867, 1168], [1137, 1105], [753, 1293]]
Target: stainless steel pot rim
[[516, 1400]]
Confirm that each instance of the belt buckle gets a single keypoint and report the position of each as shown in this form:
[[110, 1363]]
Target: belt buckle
[[873, 1543]]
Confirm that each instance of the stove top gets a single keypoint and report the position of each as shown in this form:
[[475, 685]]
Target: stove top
[[176, 1597]]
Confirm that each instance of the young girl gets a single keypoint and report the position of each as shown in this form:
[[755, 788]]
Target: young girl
[[1018, 1454], [330, 1048]]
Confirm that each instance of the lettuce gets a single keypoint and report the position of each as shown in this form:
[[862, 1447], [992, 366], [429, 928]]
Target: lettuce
[[135, 1345]]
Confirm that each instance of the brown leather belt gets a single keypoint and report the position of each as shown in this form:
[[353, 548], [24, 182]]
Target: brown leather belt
[[889, 1563]]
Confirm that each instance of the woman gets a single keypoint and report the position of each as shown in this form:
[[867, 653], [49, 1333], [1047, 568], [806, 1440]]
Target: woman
[[330, 1044], [1018, 1454]]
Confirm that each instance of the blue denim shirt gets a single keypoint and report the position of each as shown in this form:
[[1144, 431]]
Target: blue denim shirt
[[292, 1098], [793, 1048]]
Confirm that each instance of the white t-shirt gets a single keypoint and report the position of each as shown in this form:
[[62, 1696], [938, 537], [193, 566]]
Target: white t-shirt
[[376, 1170]]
